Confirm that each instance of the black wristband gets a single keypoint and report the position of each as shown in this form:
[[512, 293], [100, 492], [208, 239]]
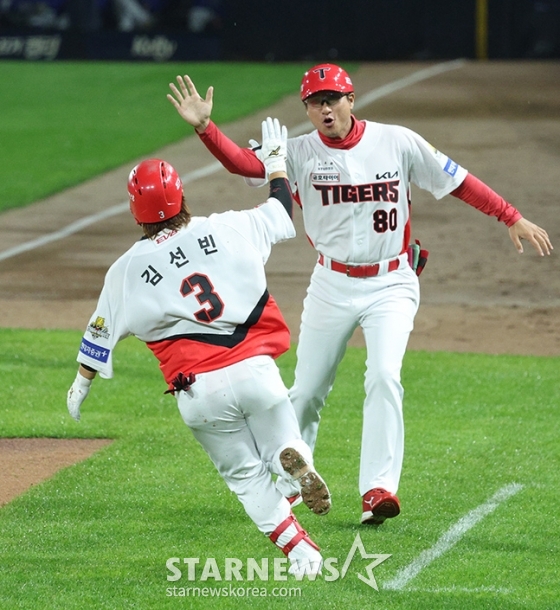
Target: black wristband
[[280, 189]]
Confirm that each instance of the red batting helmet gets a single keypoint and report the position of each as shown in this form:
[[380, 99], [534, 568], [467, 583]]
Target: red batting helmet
[[325, 77], [155, 191]]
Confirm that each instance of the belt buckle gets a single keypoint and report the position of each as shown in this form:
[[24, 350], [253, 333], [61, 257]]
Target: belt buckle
[[348, 268]]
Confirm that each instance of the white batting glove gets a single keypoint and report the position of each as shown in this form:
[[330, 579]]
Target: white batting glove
[[256, 147], [77, 394], [274, 146]]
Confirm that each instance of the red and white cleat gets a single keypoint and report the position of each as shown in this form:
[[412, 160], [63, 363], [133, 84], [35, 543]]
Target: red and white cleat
[[379, 504]]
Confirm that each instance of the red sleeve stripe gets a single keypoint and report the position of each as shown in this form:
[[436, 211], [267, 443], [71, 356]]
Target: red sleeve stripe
[[236, 160], [474, 192]]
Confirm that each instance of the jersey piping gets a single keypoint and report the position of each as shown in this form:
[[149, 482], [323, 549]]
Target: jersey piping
[[229, 341], [265, 332]]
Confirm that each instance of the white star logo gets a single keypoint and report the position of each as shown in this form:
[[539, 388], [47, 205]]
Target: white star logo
[[379, 558]]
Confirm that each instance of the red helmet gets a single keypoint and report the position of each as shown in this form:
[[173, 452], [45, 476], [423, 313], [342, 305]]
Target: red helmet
[[325, 77], [155, 191]]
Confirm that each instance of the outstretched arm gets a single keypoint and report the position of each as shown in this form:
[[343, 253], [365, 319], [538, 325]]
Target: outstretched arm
[[476, 193], [196, 111]]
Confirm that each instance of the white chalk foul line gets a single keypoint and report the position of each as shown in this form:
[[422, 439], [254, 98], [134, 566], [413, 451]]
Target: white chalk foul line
[[451, 537], [212, 168], [467, 590], [415, 77], [74, 227], [384, 90], [70, 229]]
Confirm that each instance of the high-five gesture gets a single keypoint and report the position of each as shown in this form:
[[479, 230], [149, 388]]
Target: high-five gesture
[[274, 146], [190, 105]]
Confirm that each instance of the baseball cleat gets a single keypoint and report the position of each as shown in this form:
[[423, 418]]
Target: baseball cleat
[[314, 490], [379, 504]]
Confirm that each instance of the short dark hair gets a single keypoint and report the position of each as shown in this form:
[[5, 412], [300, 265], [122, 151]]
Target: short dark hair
[[182, 219]]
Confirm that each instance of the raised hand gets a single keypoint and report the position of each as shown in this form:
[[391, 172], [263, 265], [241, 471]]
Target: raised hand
[[194, 109], [274, 146]]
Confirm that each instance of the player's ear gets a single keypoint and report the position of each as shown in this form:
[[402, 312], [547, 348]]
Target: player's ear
[[351, 99]]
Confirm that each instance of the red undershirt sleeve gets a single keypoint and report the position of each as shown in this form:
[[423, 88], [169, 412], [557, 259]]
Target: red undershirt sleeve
[[474, 192], [236, 160]]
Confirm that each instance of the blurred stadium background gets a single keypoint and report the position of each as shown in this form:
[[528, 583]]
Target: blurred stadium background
[[286, 30]]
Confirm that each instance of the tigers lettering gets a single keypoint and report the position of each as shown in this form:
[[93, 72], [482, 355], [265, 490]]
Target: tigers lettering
[[360, 193]]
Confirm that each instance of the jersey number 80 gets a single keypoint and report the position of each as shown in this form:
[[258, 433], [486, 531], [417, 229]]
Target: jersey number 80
[[383, 220]]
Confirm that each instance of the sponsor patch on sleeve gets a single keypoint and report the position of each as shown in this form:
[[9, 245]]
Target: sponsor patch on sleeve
[[97, 328], [450, 167], [101, 354]]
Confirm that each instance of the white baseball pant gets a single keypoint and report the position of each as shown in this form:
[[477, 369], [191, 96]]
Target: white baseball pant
[[384, 306], [243, 418]]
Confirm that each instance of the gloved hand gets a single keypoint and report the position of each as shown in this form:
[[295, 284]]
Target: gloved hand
[[255, 182], [274, 146], [256, 147], [77, 394]]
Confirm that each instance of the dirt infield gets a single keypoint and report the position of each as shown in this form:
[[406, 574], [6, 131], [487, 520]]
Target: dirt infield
[[28, 461], [500, 120]]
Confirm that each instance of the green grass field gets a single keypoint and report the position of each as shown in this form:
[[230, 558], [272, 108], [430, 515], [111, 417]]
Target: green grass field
[[64, 122], [98, 534]]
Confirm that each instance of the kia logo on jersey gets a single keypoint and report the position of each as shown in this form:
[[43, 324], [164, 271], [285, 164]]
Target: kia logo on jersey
[[387, 175]]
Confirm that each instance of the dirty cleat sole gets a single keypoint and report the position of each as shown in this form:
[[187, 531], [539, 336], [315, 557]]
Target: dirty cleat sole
[[314, 490]]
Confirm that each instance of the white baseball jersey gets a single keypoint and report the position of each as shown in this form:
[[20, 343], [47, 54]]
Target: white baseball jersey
[[196, 296], [356, 202]]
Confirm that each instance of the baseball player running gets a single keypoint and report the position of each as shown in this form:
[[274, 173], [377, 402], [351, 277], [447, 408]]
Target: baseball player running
[[352, 179], [195, 292]]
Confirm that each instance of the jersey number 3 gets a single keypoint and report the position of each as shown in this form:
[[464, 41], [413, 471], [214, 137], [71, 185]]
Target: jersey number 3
[[204, 292]]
